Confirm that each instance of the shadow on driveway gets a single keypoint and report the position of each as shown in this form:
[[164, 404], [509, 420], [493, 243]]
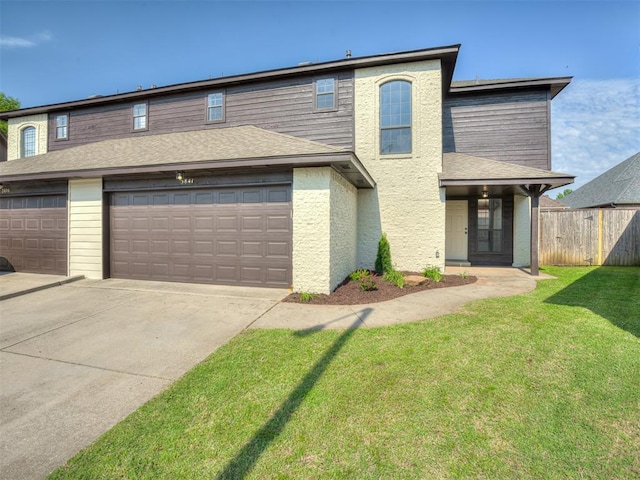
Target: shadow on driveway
[[244, 461]]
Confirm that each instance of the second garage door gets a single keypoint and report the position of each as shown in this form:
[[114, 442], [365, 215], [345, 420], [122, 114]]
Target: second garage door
[[33, 233], [231, 236]]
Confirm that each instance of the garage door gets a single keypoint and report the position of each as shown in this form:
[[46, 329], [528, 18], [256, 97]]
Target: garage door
[[231, 236], [33, 233]]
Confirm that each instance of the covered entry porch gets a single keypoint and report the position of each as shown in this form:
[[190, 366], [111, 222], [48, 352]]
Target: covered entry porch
[[492, 210]]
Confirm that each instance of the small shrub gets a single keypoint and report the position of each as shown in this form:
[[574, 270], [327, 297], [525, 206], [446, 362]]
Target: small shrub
[[464, 275], [394, 278], [359, 275], [307, 296], [368, 284], [383, 258], [433, 273]]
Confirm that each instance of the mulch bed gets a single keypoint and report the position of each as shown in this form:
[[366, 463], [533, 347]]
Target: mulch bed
[[350, 293]]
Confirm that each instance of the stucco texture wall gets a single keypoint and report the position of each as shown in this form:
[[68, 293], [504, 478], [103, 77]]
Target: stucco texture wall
[[407, 204], [521, 231], [85, 227], [344, 238], [15, 125], [324, 229]]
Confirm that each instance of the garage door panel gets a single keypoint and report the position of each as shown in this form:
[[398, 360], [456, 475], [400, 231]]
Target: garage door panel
[[181, 247], [227, 248], [182, 223], [251, 275], [252, 249], [278, 223], [278, 195], [277, 276], [226, 223], [205, 236], [278, 249], [251, 224]]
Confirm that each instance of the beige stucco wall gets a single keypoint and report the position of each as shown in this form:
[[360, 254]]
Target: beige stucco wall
[[85, 227], [324, 229], [407, 204], [344, 238], [521, 231], [15, 125]]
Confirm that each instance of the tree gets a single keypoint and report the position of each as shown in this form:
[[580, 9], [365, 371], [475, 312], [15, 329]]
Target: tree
[[7, 104], [564, 193]]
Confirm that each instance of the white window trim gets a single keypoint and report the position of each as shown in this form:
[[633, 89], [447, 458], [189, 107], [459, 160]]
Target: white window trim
[[332, 108], [56, 127], [21, 140], [134, 116], [386, 81], [222, 107]]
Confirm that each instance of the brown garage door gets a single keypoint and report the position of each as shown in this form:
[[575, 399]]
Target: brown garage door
[[231, 236], [33, 233]]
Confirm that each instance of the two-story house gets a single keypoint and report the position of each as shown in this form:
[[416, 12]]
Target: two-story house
[[282, 177]]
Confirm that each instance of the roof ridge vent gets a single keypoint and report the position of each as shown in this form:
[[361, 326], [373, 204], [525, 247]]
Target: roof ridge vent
[[305, 64]]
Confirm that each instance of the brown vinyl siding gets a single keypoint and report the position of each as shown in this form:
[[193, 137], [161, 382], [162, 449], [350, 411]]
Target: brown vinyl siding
[[283, 106], [510, 127]]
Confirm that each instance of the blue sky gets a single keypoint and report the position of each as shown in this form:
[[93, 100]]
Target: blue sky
[[55, 51]]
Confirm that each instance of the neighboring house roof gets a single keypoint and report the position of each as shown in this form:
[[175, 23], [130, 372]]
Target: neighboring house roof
[[618, 186], [547, 202], [213, 148], [461, 169]]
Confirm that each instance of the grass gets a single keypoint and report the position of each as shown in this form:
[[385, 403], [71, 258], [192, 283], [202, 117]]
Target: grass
[[542, 385]]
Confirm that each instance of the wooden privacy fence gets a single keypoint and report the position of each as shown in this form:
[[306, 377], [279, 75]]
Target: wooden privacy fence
[[593, 236]]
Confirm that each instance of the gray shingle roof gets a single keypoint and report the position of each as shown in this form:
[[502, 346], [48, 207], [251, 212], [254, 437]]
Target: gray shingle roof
[[459, 168], [233, 143], [620, 185]]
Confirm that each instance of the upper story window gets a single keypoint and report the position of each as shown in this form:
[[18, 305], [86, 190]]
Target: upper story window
[[395, 117], [28, 142], [215, 107], [62, 127], [325, 94], [140, 116]]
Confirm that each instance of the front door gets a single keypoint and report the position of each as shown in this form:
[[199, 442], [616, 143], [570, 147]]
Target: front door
[[456, 230]]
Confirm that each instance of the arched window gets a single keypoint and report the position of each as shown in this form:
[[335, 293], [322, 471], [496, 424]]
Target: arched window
[[395, 117], [28, 142]]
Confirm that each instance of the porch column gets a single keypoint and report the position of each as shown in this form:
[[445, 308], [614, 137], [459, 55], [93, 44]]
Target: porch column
[[535, 192]]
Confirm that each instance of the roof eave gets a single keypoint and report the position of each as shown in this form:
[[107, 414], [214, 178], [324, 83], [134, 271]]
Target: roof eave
[[555, 85], [347, 164], [553, 181]]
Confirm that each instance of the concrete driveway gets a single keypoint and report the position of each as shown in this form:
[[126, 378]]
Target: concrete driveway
[[78, 358]]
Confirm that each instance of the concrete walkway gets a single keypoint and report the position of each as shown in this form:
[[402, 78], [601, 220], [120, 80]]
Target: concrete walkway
[[492, 282]]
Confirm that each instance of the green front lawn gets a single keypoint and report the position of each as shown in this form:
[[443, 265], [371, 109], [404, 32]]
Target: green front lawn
[[543, 385]]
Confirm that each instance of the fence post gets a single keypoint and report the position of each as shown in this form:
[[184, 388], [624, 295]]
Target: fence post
[[599, 237]]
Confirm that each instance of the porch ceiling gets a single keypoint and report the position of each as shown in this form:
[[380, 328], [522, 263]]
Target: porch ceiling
[[466, 175]]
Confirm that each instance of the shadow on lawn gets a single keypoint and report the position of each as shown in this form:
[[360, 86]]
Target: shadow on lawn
[[611, 292], [244, 461]]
